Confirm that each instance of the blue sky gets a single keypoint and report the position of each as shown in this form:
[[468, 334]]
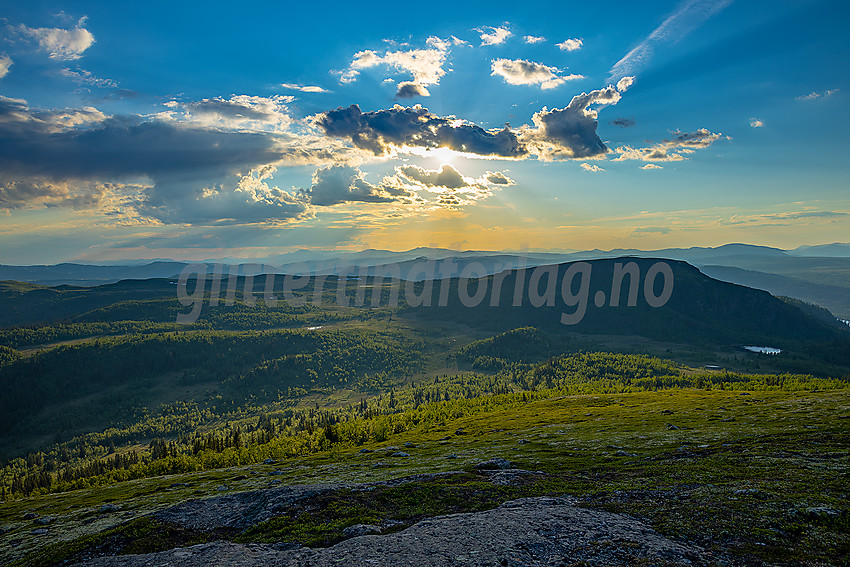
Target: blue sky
[[198, 131]]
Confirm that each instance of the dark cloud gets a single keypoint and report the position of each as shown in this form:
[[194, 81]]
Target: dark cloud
[[498, 178], [411, 89], [670, 149], [642, 230], [383, 131], [44, 143], [570, 132], [198, 175], [452, 189], [340, 184], [623, 122], [701, 138], [446, 176]]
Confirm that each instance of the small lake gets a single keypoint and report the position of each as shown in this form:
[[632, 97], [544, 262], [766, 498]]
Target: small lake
[[763, 349]]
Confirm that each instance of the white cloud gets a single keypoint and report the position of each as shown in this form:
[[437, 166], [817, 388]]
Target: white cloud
[[20, 119], [493, 36], [425, 65], [756, 123], [591, 167], [571, 44], [523, 72], [625, 83], [651, 166], [304, 88], [816, 95], [84, 77], [532, 39], [75, 118], [5, 64], [58, 43], [689, 15]]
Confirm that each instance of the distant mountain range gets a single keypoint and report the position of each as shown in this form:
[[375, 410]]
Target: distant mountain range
[[815, 274], [697, 310]]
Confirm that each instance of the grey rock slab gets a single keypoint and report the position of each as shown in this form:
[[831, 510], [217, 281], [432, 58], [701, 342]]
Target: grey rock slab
[[525, 532], [241, 509]]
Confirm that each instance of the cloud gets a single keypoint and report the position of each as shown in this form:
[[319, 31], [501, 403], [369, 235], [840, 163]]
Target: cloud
[[671, 149], [60, 44], [338, 184], [623, 122], [451, 187], [783, 218], [384, 132], [651, 166], [493, 36], [425, 65], [221, 198], [187, 173], [447, 176], [410, 89], [239, 112], [532, 39], [524, 72], [566, 133], [84, 77], [756, 123], [690, 15], [624, 84], [17, 119], [816, 95], [570, 132], [5, 64], [643, 230], [591, 168], [498, 178], [304, 88], [570, 44], [16, 193]]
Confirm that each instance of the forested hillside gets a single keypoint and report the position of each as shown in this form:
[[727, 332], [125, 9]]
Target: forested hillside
[[102, 379]]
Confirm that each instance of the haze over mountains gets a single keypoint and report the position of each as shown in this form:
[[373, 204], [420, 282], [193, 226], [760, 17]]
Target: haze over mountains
[[815, 274]]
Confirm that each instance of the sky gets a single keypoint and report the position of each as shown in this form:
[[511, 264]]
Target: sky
[[196, 131]]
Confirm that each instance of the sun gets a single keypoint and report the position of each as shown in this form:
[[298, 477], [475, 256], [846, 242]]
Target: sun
[[445, 155]]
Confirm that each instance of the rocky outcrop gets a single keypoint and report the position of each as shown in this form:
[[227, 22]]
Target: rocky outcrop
[[525, 532]]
